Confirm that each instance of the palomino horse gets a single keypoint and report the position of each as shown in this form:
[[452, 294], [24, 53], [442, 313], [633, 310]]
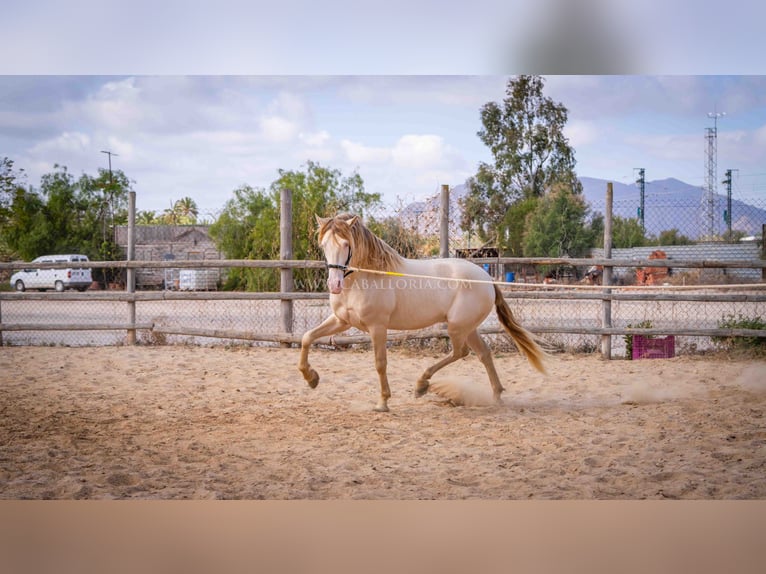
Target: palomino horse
[[415, 295]]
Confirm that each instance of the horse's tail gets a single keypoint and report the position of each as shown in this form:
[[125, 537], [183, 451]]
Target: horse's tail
[[523, 339]]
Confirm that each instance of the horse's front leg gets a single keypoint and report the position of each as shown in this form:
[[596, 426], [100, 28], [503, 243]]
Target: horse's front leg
[[329, 326], [378, 335]]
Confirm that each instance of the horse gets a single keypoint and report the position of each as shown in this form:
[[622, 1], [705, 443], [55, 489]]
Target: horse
[[373, 288]]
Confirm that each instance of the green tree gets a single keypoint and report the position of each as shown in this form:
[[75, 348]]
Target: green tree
[[187, 209], [673, 237], [10, 184], [25, 231], [557, 227], [525, 134], [181, 212], [68, 215], [248, 227], [627, 232], [513, 225], [147, 218]]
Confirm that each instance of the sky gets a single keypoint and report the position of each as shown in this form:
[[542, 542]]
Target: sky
[[205, 136], [197, 99]]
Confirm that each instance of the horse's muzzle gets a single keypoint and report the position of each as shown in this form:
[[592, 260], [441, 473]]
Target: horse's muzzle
[[335, 285]]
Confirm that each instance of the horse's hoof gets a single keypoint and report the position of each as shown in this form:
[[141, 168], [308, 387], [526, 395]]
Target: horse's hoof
[[421, 389], [313, 379], [381, 408]]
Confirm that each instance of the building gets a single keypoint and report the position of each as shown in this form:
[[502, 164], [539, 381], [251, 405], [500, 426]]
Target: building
[[168, 243]]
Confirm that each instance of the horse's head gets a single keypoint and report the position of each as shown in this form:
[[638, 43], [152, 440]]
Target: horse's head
[[337, 243]]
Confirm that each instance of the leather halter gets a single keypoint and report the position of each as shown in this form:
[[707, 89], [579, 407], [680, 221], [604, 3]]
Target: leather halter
[[343, 267]]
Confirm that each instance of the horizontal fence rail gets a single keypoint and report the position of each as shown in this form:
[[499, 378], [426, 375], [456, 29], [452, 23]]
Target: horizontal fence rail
[[303, 264], [535, 294]]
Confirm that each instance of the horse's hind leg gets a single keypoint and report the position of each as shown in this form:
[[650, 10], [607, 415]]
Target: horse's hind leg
[[329, 326], [482, 350], [459, 350]]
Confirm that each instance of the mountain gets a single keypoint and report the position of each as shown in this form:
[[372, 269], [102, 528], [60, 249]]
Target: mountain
[[423, 215], [673, 204], [668, 204]]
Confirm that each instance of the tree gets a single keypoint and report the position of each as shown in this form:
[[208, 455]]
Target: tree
[[525, 134], [627, 232], [673, 237], [557, 226], [248, 227], [513, 225], [68, 216], [147, 218], [187, 209], [10, 184], [181, 212]]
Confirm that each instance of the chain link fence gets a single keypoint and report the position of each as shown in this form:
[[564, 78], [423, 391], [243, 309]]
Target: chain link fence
[[204, 315]]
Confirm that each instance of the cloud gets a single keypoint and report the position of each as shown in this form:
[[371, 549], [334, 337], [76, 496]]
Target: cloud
[[277, 129], [66, 143], [315, 139], [419, 151], [760, 135], [581, 133], [680, 147], [361, 154]]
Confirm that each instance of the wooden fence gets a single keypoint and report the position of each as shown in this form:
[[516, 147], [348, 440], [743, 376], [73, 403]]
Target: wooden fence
[[754, 293]]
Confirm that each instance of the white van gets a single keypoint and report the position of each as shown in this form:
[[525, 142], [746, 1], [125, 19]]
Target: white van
[[58, 279]]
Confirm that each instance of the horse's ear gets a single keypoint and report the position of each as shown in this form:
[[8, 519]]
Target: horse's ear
[[321, 220], [351, 222]]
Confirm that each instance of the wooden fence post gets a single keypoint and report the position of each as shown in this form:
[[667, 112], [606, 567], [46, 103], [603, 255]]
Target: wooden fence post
[[130, 282], [286, 252], [606, 305], [444, 223]]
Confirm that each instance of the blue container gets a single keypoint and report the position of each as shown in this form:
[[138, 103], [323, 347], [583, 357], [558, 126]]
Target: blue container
[[510, 276], [486, 267]]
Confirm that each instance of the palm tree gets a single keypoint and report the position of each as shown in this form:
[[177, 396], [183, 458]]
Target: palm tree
[[147, 218], [186, 210]]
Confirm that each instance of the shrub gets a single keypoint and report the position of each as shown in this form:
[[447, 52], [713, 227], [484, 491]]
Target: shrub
[[741, 343]]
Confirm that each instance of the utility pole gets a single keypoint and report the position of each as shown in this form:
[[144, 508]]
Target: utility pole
[[107, 209], [110, 154], [111, 182], [727, 213], [641, 182]]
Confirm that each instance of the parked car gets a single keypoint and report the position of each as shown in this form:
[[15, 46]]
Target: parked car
[[58, 279]]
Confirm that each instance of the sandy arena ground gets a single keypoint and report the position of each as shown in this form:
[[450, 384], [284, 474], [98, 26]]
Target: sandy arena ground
[[180, 422]]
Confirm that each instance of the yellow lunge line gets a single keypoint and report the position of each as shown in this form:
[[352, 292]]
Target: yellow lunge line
[[562, 285]]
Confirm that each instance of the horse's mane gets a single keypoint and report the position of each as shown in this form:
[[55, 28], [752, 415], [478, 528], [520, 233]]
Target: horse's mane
[[368, 250]]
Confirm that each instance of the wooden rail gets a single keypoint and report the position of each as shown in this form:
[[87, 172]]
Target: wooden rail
[[304, 264]]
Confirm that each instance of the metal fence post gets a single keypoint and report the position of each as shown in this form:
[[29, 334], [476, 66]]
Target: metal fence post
[[606, 277], [130, 283], [286, 252], [763, 250], [444, 223]]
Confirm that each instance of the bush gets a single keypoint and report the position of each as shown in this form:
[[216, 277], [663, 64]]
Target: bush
[[739, 343]]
